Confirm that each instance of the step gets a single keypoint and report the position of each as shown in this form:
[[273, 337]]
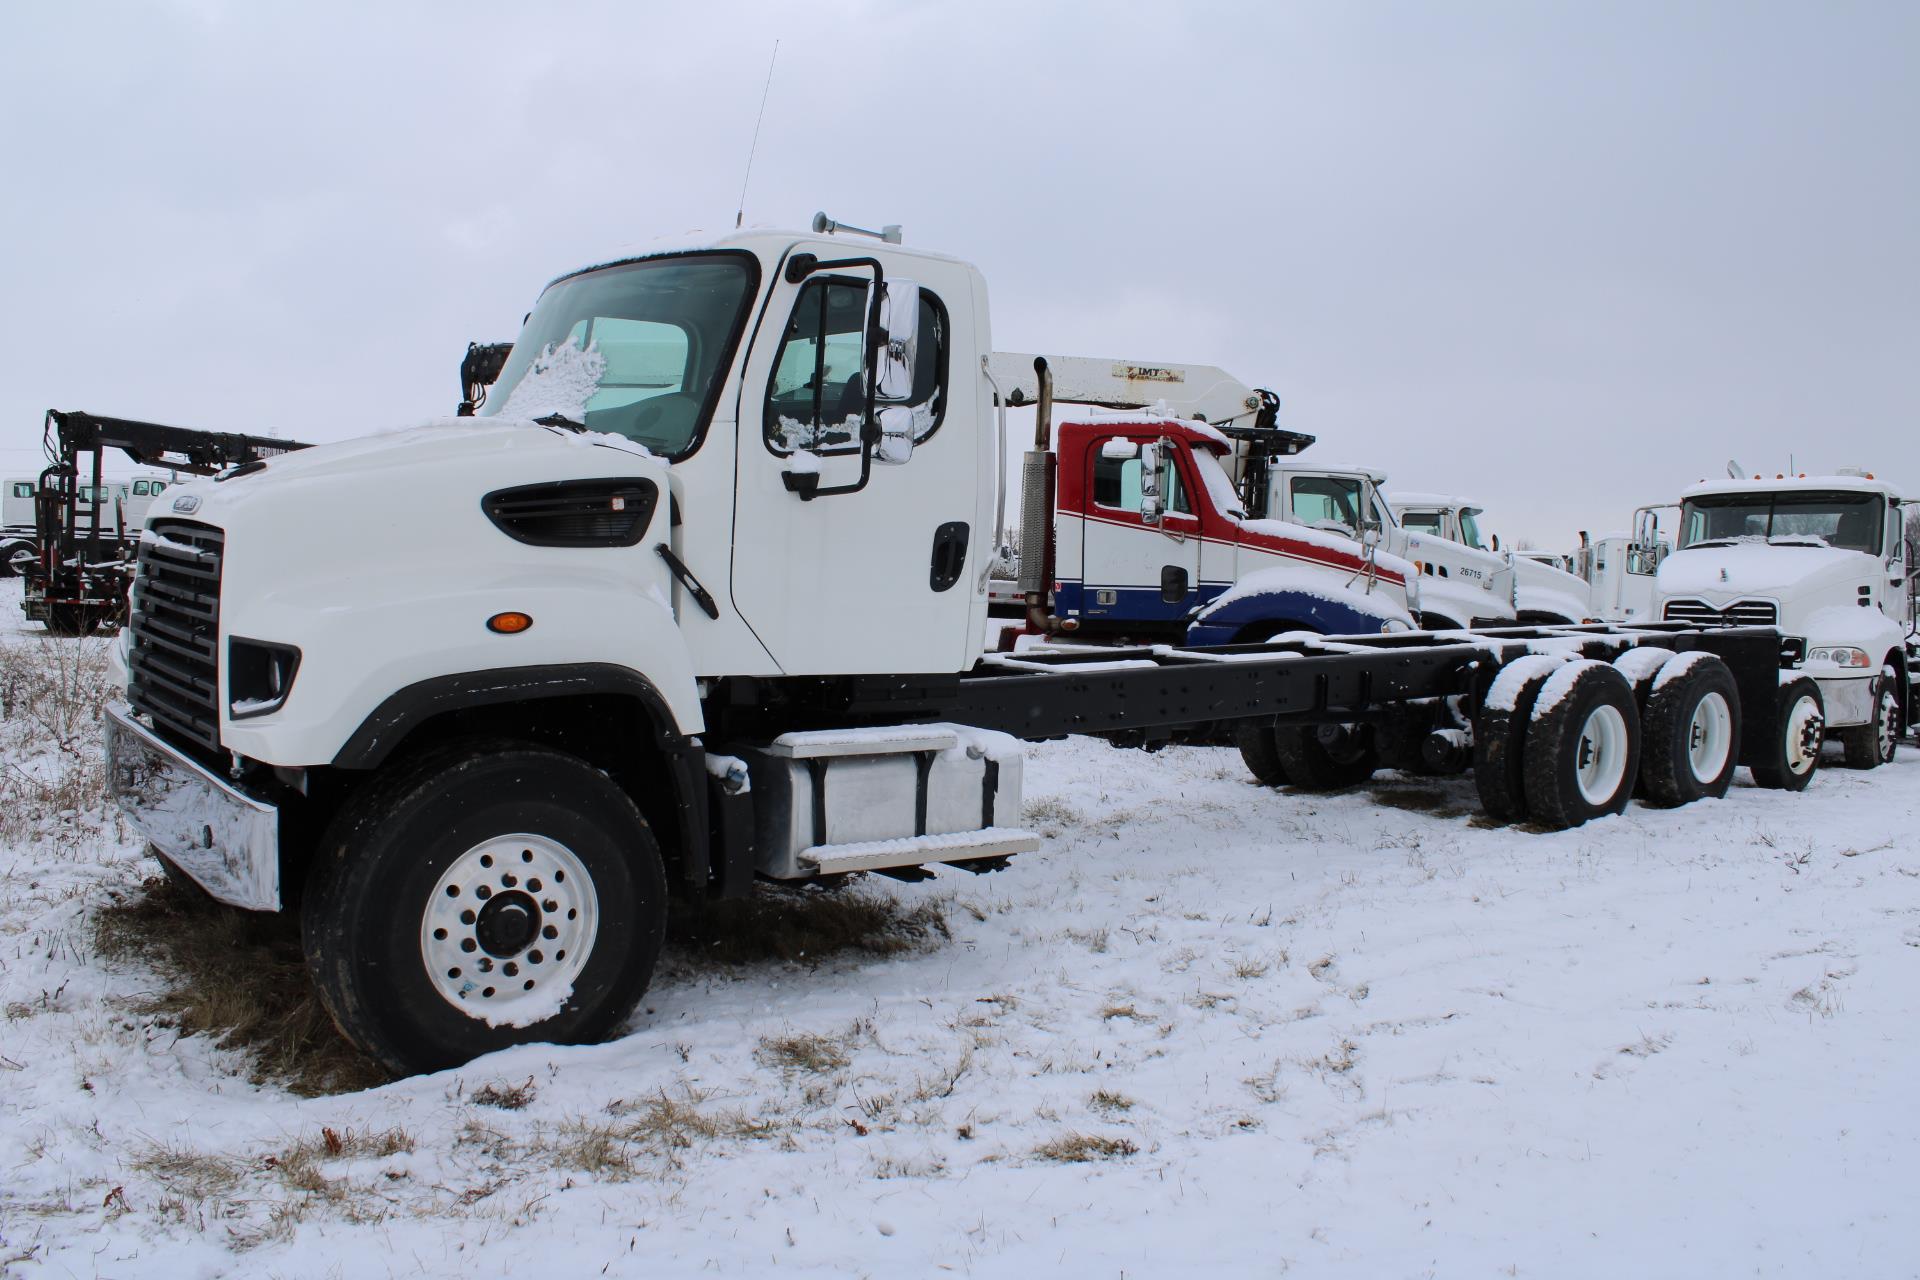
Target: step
[[912, 851], [816, 744]]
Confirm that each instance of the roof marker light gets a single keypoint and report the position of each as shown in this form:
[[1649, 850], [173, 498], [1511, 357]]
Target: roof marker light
[[509, 624]]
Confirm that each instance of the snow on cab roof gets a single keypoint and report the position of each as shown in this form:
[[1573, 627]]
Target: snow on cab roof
[[1799, 483], [1400, 499]]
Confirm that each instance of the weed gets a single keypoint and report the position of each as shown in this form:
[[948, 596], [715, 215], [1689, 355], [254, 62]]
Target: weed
[[1107, 1102], [805, 1052], [1082, 1148], [190, 1175], [507, 1097]]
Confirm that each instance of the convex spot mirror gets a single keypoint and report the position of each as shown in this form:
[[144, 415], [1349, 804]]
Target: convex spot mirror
[[896, 435], [1119, 450], [898, 341]]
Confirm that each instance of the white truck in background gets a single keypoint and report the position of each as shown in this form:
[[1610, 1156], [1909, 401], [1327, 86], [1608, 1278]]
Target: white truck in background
[[1823, 558], [1538, 591], [122, 505]]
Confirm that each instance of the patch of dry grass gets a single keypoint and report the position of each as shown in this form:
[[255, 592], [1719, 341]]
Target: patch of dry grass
[[1084, 1148], [53, 695], [237, 976], [805, 924], [803, 1051], [507, 1097]]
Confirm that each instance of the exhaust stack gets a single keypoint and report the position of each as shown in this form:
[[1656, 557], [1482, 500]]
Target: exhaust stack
[[1037, 479]]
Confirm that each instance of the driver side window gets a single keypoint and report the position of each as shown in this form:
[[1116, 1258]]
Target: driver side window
[[817, 397]]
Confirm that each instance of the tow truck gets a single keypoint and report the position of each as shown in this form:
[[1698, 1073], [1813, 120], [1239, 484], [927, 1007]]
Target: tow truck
[[81, 562], [697, 597]]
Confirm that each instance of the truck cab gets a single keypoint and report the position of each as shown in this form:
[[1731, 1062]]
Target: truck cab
[[1153, 540], [1824, 558], [1542, 590]]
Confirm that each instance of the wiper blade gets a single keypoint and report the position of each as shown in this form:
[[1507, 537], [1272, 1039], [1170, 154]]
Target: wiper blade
[[561, 420]]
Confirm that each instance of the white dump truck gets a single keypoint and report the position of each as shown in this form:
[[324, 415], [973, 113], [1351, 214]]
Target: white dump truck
[[1823, 558], [648, 628]]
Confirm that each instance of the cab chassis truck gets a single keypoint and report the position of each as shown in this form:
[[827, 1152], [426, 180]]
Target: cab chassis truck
[[694, 599], [81, 562]]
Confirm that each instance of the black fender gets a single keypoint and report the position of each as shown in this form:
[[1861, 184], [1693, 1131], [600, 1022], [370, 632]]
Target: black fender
[[683, 757]]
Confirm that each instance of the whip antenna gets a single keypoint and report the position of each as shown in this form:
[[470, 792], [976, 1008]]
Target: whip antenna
[[753, 146]]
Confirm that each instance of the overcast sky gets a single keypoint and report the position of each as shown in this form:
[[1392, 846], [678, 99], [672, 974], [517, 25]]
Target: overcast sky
[[1565, 258]]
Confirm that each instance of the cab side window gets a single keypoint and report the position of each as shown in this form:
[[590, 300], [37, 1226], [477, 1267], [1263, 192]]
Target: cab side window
[[1116, 485], [1317, 499], [817, 397]]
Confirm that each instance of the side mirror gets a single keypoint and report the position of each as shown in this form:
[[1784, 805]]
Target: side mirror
[[1117, 449], [898, 340], [1151, 505], [896, 435]]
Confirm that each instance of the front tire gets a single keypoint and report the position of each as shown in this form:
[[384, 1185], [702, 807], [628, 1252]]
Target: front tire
[[1793, 748], [1871, 745], [490, 895]]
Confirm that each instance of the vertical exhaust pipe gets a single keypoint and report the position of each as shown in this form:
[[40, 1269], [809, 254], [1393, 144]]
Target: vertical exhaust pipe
[[1037, 481]]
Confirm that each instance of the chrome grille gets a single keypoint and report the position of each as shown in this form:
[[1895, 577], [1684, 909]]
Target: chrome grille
[[1741, 613], [175, 656]]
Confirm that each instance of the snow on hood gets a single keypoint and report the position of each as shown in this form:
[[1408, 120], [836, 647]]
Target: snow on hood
[[1754, 567]]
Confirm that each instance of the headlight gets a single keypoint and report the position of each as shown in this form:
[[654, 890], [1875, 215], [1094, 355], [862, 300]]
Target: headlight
[[1840, 656], [259, 676]]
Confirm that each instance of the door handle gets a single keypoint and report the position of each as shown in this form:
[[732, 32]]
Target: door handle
[[949, 555]]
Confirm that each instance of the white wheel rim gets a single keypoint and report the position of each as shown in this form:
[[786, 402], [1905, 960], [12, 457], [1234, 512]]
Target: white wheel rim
[[1600, 759], [1710, 737], [508, 928], [1804, 729]]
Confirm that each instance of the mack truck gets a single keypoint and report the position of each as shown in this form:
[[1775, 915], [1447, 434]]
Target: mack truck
[[1823, 558], [697, 597]]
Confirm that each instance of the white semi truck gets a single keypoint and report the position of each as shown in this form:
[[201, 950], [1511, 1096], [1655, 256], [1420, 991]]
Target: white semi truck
[[649, 628], [1823, 558], [1539, 591]]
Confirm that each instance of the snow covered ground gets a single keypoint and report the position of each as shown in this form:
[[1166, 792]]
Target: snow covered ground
[[1208, 1029]]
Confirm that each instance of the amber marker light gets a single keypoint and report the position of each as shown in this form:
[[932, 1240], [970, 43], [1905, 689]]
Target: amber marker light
[[509, 624]]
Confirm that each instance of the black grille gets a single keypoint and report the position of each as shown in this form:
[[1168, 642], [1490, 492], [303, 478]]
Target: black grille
[[574, 513], [176, 630], [1741, 613]]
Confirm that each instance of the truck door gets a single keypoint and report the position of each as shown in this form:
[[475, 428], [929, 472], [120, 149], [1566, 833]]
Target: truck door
[[875, 576], [1132, 568], [1899, 592]]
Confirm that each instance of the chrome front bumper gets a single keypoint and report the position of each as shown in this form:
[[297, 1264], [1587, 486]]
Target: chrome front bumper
[[226, 840]]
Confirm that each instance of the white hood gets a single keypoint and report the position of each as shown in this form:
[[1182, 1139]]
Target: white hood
[[1720, 574]]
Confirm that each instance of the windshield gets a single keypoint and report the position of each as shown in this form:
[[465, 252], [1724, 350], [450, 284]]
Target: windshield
[[1470, 528], [664, 330], [1830, 518]]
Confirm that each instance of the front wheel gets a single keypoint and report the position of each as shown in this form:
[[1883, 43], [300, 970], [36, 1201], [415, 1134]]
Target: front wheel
[[488, 896], [1871, 745], [1793, 748]]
